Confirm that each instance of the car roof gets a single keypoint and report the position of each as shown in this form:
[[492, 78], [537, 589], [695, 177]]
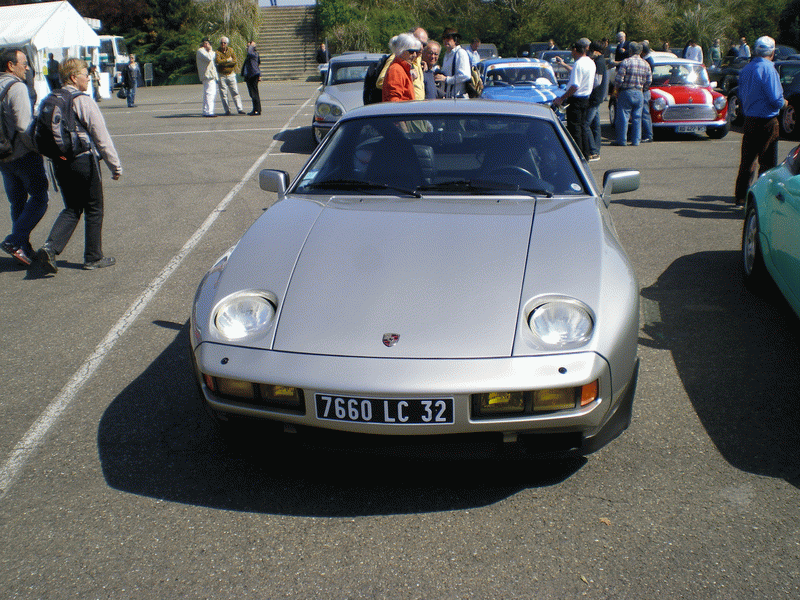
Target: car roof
[[662, 60], [355, 56], [432, 108], [518, 60]]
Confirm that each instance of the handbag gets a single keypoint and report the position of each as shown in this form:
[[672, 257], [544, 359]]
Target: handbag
[[122, 93]]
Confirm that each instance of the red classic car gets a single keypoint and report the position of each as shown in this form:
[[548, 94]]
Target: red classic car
[[682, 99]]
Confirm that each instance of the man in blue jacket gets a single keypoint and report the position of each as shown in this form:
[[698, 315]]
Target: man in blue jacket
[[762, 99]]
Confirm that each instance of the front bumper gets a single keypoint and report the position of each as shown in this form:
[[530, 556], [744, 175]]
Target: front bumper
[[698, 124], [321, 129], [582, 430]]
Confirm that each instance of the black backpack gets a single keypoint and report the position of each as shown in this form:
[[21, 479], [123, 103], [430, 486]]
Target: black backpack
[[372, 94], [6, 143], [55, 131]]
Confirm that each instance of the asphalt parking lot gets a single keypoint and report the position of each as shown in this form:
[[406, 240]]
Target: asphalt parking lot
[[114, 485]]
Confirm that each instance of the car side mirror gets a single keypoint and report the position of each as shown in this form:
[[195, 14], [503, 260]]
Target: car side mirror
[[271, 180], [619, 181]]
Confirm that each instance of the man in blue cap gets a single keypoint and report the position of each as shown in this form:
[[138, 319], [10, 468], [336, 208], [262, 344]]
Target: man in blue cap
[[761, 95]]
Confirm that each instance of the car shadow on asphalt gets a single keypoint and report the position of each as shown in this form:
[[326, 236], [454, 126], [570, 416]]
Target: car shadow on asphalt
[[699, 207], [156, 440], [738, 357], [296, 141]]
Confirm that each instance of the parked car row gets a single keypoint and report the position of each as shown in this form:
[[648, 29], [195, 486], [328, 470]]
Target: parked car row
[[360, 302]]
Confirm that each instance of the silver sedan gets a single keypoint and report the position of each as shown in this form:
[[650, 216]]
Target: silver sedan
[[342, 90], [436, 268]]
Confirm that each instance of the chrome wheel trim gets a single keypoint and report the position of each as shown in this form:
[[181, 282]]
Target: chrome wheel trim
[[733, 109], [750, 245], [789, 119]]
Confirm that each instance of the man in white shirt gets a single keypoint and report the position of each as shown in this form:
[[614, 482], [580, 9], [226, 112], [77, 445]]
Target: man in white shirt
[[744, 49], [474, 57], [579, 88], [693, 52], [456, 66]]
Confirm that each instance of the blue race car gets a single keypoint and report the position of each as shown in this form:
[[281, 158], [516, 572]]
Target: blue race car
[[520, 80]]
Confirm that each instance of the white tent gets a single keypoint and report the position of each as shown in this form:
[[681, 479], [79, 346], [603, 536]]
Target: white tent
[[43, 28]]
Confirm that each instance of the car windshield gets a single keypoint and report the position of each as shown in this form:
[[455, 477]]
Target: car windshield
[[472, 154], [680, 74], [348, 72], [502, 75], [565, 55], [789, 74]]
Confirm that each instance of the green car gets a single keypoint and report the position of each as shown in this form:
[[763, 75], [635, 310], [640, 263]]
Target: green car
[[771, 235]]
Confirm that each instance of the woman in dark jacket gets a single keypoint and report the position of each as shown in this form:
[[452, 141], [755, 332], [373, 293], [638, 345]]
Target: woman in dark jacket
[[252, 75]]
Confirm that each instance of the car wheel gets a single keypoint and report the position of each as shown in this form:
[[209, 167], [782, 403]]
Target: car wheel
[[717, 133], [752, 260], [735, 115], [728, 83], [788, 121]]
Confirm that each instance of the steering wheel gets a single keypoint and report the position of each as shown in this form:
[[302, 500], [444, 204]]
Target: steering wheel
[[521, 177], [512, 174]]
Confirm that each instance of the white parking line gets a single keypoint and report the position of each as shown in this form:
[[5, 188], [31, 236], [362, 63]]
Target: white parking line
[[35, 436], [152, 133]]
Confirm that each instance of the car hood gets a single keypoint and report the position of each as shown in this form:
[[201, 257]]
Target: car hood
[[680, 94], [524, 93], [452, 279], [447, 283], [349, 95]]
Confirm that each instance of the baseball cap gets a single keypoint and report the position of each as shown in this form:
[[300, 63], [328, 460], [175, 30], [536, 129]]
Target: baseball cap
[[764, 46]]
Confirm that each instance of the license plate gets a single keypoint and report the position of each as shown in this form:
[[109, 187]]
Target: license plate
[[434, 411], [691, 128]]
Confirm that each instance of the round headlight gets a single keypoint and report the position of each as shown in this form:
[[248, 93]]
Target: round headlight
[[720, 102], [561, 325], [659, 104], [323, 110], [243, 315]]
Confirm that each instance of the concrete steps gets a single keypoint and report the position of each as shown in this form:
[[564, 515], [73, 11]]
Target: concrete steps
[[287, 42]]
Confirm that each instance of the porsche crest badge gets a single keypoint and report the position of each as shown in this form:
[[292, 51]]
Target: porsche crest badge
[[390, 339]]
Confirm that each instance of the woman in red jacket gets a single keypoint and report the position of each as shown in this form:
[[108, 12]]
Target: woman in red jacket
[[398, 84]]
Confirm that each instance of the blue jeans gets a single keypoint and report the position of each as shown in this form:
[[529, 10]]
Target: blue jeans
[[26, 187], [131, 95], [647, 120], [595, 138], [629, 108]]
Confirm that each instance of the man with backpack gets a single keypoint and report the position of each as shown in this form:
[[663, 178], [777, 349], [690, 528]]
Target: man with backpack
[[22, 167], [456, 66], [77, 169]]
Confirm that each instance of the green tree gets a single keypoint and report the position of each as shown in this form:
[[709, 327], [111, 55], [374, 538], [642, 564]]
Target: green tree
[[789, 24]]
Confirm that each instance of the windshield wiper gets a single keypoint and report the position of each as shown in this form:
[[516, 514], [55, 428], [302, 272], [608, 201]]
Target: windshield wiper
[[355, 184], [482, 185]]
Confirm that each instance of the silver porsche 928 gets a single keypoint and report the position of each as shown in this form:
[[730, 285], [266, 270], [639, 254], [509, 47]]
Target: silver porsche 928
[[436, 268]]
